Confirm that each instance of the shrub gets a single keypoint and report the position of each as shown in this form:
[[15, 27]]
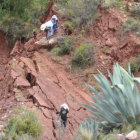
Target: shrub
[[134, 66], [68, 27], [136, 10], [18, 18], [26, 123], [133, 25], [113, 3], [15, 28], [25, 137], [64, 46], [84, 55], [80, 12], [118, 104], [108, 3]]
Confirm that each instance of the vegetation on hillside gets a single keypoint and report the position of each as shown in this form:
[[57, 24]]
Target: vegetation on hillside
[[118, 105], [23, 126], [80, 13], [84, 55], [18, 18]]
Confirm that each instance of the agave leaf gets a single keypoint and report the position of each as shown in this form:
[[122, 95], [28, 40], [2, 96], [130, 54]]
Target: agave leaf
[[119, 102], [137, 80], [129, 70]]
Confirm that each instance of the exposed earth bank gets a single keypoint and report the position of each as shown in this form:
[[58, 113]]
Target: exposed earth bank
[[33, 78]]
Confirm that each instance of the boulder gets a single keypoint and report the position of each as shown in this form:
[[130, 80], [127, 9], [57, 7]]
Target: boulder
[[132, 135], [21, 82], [46, 42]]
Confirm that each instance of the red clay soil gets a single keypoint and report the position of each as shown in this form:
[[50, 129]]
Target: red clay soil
[[113, 44], [7, 100]]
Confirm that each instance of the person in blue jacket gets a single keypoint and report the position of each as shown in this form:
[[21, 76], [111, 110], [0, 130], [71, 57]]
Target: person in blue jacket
[[54, 21]]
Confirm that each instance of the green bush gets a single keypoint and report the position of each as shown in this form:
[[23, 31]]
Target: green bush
[[108, 3], [84, 55], [64, 46], [15, 28], [68, 27], [133, 25], [113, 3], [136, 10], [26, 123], [18, 18], [134, 66], [80, 12], [26, 137]]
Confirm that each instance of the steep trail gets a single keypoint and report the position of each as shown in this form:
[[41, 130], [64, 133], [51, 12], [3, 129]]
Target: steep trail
[[46, 87]]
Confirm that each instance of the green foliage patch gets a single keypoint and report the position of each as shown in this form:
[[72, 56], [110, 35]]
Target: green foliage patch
[[84, 55], [64, 46], [113, 3], [133, 25], [18, 18], [135, 64], [80, 13], [25, 124]]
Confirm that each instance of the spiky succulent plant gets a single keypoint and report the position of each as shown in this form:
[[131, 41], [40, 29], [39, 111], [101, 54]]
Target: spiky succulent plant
[[118, 100], [88, 130]]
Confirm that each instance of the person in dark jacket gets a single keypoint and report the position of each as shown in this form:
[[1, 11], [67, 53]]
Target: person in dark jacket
[[64, 110], [63, 113]]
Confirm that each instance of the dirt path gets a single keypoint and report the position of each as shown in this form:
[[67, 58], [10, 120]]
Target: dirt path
[[48, 87]]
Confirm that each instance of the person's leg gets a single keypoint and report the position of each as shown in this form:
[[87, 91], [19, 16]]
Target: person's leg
[[65, 123], [46, 34]]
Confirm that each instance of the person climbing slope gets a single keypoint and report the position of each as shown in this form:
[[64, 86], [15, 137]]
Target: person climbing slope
[[50, 26], [55, 21], [64, 110]]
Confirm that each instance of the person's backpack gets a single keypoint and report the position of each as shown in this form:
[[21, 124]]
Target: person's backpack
[[65, 106]]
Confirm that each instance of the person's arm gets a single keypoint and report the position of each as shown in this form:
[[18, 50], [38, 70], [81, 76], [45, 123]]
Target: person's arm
[[59, 114]]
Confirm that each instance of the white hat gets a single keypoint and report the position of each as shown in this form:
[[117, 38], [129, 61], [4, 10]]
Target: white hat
[[42, 27], [65, 106]]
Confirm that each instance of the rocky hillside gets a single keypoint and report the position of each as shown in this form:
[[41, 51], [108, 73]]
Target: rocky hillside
[[34, 77]]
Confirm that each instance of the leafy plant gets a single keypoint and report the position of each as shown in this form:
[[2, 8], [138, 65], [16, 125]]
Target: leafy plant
[[113, 3], [68, 27], [118, 101], [80, 12], [22, 125], [84, 55], [64, 46], [88, 131], [134, 65], [18, 18], [136, 10], [133, 25]]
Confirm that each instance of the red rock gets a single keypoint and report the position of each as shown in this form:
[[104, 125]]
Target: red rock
[[21, 82], [109, 43]]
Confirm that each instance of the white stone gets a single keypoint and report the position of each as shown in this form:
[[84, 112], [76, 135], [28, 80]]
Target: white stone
[[132, 135]]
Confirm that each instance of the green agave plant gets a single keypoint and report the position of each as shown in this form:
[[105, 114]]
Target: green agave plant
[[119, 99], [88, 130]]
